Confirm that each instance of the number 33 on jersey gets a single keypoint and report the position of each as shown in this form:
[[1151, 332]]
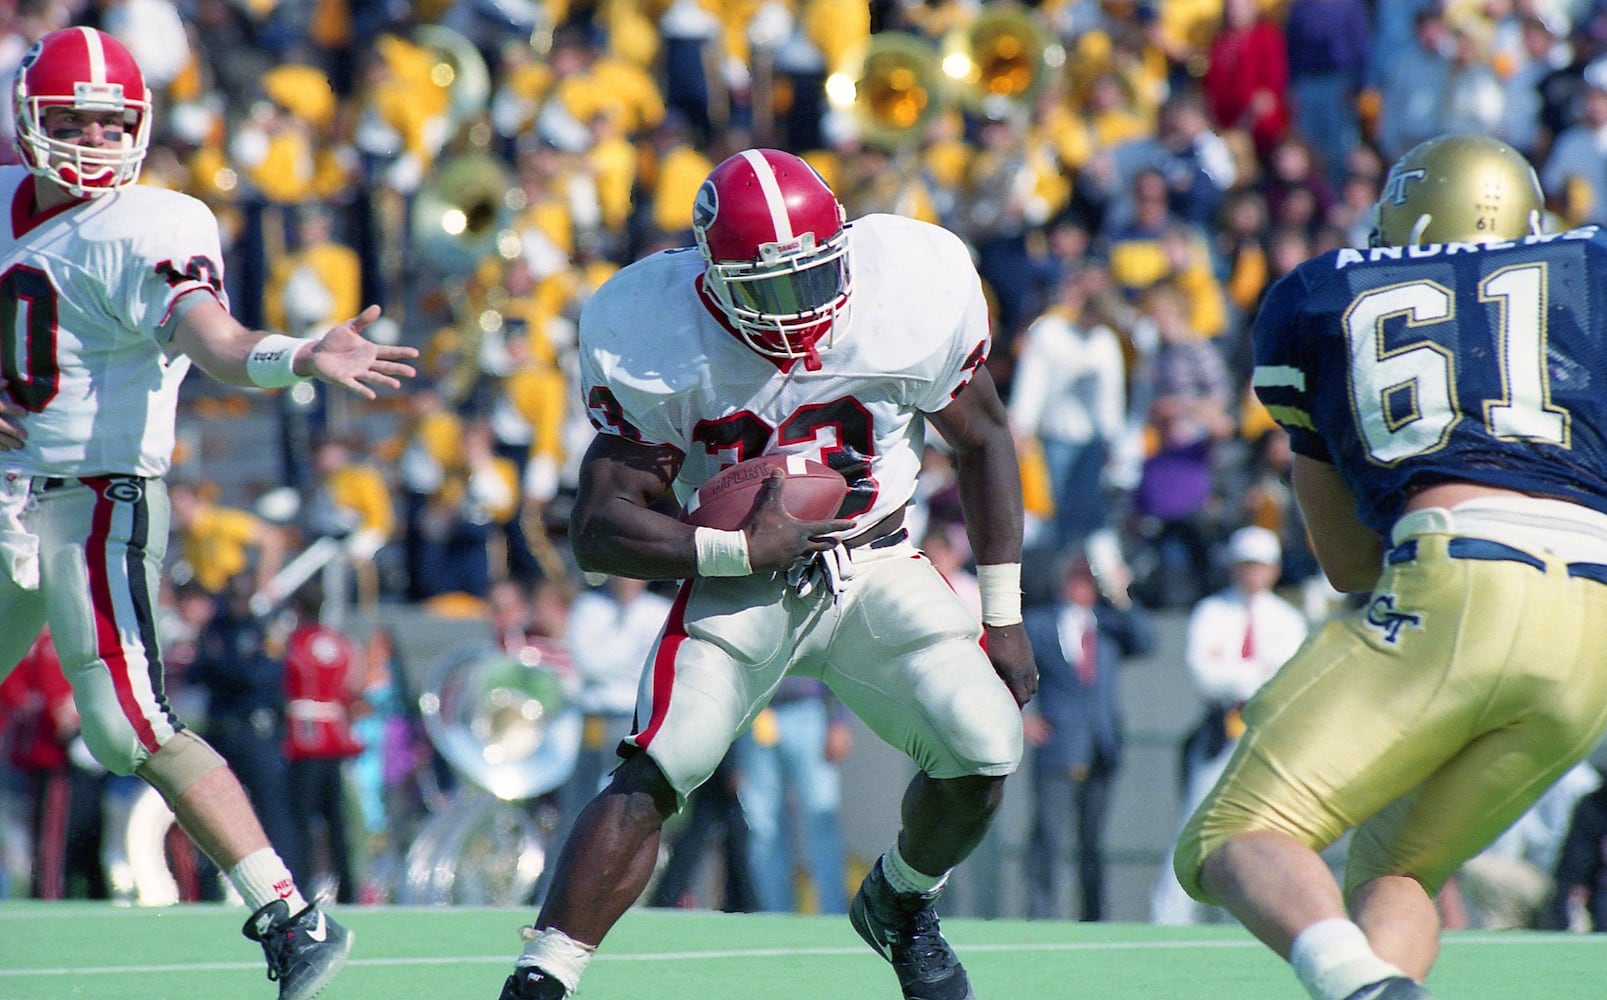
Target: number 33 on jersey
[[1462, 362], [658, 366]]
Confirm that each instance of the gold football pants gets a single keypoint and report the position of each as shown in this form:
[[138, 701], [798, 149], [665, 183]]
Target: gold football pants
[[1428, 720]]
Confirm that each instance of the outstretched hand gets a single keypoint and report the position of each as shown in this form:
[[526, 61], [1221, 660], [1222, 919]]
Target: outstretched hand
[[346, 358]]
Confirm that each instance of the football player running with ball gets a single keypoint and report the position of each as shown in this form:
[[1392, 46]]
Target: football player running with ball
[[1442, 390], [789, 330], [107, 292]]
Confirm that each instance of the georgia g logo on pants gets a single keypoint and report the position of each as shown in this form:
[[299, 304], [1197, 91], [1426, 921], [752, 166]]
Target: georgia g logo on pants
[[125, 489]]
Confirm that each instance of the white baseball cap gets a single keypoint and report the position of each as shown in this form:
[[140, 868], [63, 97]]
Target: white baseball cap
[[1253, 544]]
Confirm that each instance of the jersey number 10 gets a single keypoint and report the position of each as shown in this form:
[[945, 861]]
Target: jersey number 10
[[30, 374]]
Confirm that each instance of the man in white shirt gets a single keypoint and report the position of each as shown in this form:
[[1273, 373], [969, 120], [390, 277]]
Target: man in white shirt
[[1070, 393]]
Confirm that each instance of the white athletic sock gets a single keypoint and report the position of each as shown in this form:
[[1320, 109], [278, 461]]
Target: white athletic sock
[[905, 879], [1333, 960], [261, 877], [557, 954]]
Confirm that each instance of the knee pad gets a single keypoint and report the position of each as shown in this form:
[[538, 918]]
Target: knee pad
[[178, 764]]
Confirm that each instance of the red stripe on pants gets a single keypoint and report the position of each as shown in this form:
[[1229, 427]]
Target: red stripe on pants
[[664, 665], [109, 640]]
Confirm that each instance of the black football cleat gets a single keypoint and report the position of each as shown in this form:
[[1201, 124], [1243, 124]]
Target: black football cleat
[[304, 951], [1393, 988], [530, 983], [903, 929]]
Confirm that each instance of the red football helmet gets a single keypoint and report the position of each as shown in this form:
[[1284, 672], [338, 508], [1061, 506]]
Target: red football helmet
[[775, 240], [88, 70]]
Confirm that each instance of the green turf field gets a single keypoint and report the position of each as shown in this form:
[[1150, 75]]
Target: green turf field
[[52, 951]]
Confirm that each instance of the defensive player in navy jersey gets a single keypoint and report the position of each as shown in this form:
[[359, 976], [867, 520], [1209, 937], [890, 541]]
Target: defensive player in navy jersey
[[1443, 392]]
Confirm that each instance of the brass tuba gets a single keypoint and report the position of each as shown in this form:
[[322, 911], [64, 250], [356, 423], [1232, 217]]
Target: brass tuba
[[891, 88], [464, 212], [1002, 56], [503, 723], [506, 726], [460, 70]]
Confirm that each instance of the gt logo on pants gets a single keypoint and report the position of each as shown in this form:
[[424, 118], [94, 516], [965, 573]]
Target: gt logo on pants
[[1381, 614]]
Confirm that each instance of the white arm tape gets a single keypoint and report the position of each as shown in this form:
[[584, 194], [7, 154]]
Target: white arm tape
[[1000, 584], [721, 553], [271, 363]]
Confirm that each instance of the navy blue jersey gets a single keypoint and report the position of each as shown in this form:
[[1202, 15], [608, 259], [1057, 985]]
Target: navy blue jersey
[[1406, 368]]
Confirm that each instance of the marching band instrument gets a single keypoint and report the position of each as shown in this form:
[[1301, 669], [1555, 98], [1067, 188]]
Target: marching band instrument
[[1004, 54], [460, 70], [506, 726], [464, 213], [891, 87]]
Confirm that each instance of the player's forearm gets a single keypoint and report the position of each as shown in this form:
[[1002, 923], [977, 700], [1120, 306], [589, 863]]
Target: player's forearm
[[1349, 552], [622, 539], [977, 426], [989, 481], [231, 353]]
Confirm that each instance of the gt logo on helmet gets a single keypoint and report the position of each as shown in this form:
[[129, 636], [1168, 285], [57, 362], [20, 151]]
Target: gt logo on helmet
[[1395, 187]]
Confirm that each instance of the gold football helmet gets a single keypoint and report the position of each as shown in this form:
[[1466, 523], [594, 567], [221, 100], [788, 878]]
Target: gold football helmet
[[1458, 188]]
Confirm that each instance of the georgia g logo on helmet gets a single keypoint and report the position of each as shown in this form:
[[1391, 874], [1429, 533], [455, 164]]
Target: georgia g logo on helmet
[[774, 241], [706, 206], [89, 71]]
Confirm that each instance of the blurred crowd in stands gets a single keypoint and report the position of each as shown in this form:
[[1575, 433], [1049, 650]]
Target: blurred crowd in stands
[[1131, 176], [479, 167]]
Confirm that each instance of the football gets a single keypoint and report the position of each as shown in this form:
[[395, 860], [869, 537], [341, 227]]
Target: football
[[813, 491]]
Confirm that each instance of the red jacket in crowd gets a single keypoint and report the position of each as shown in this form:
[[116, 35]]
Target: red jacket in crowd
[[321, 669]]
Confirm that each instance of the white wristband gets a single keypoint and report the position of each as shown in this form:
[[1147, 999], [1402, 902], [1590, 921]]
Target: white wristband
[[721, 553], [1000, 585], [271, 363]]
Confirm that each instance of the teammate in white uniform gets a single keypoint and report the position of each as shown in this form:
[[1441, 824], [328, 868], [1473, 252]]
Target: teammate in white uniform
[[107, 292], [788, 331]]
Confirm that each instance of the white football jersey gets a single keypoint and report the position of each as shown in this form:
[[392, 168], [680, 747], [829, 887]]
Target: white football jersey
[[89, 296], [657, 366]]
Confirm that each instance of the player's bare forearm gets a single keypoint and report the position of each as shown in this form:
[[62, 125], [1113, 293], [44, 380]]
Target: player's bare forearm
[[616, 531], [622, 538], [221, 346], [612, 528], [1349, 552], [977, 426], [990, 495]]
